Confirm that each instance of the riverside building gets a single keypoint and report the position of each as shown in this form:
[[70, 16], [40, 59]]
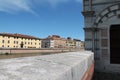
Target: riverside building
[[78, 43], [70, 43], [54, 41], [19, 41]]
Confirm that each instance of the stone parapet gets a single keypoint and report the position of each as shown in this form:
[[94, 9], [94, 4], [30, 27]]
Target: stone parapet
[[64, 66]]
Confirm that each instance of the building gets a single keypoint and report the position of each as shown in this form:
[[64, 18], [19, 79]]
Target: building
[[78, 43], [82, 44], [19, 41], [102, 29], [70, 43], [53, 41], [47, 43]]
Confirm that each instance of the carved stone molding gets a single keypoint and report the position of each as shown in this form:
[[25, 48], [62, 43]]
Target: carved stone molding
[[88, 13], [111, 11], [92, 29]]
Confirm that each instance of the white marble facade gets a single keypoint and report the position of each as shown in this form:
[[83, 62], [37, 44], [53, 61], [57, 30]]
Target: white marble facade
[[99, 15]]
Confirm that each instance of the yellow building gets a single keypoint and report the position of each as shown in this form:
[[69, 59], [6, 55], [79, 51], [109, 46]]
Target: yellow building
[[70, 43], [19, 41], [82, 44]]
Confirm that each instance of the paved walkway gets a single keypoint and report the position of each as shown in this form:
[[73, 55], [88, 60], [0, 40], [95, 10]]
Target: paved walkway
[[106, 76]]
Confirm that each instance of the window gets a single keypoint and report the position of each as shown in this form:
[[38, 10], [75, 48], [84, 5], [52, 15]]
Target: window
[[8, 41], [31, 43], [28, 42], [2, 45], [8, 36], [25, 42], [3, 41], [35, 43], [14, 42], [8, 46]]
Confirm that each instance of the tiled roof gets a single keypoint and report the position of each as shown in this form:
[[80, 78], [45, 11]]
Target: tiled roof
[[76, 39], [19, 35], [54, 37]]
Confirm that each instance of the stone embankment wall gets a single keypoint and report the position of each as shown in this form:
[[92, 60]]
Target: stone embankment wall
[[44, 50]]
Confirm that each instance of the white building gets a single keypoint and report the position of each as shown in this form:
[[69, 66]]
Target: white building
[[78, 43], [47, 43]]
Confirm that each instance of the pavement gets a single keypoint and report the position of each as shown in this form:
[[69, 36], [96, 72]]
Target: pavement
[[106, 76]]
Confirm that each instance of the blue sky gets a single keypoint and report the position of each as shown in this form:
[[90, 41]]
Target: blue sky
[[41, 18]]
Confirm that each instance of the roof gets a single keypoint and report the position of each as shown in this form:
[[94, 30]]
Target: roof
[[19, 35], [76, 39], [54, 37]]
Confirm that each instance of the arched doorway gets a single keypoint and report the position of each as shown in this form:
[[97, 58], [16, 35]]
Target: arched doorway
[[115, 44]]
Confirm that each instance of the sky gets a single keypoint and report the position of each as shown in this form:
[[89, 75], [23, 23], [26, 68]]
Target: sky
[[42, 18]]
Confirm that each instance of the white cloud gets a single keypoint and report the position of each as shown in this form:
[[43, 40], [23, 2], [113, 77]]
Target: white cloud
[[12, 6], [53, 3]]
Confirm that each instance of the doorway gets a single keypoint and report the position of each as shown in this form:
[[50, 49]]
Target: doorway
[[21, 45], [115, 44]]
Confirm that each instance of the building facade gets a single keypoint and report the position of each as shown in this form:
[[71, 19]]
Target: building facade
[[19, 41], [102, 29], [56, 41], [47, 43], [78, 43], [53, 41], [82, 44], [70, 43]]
